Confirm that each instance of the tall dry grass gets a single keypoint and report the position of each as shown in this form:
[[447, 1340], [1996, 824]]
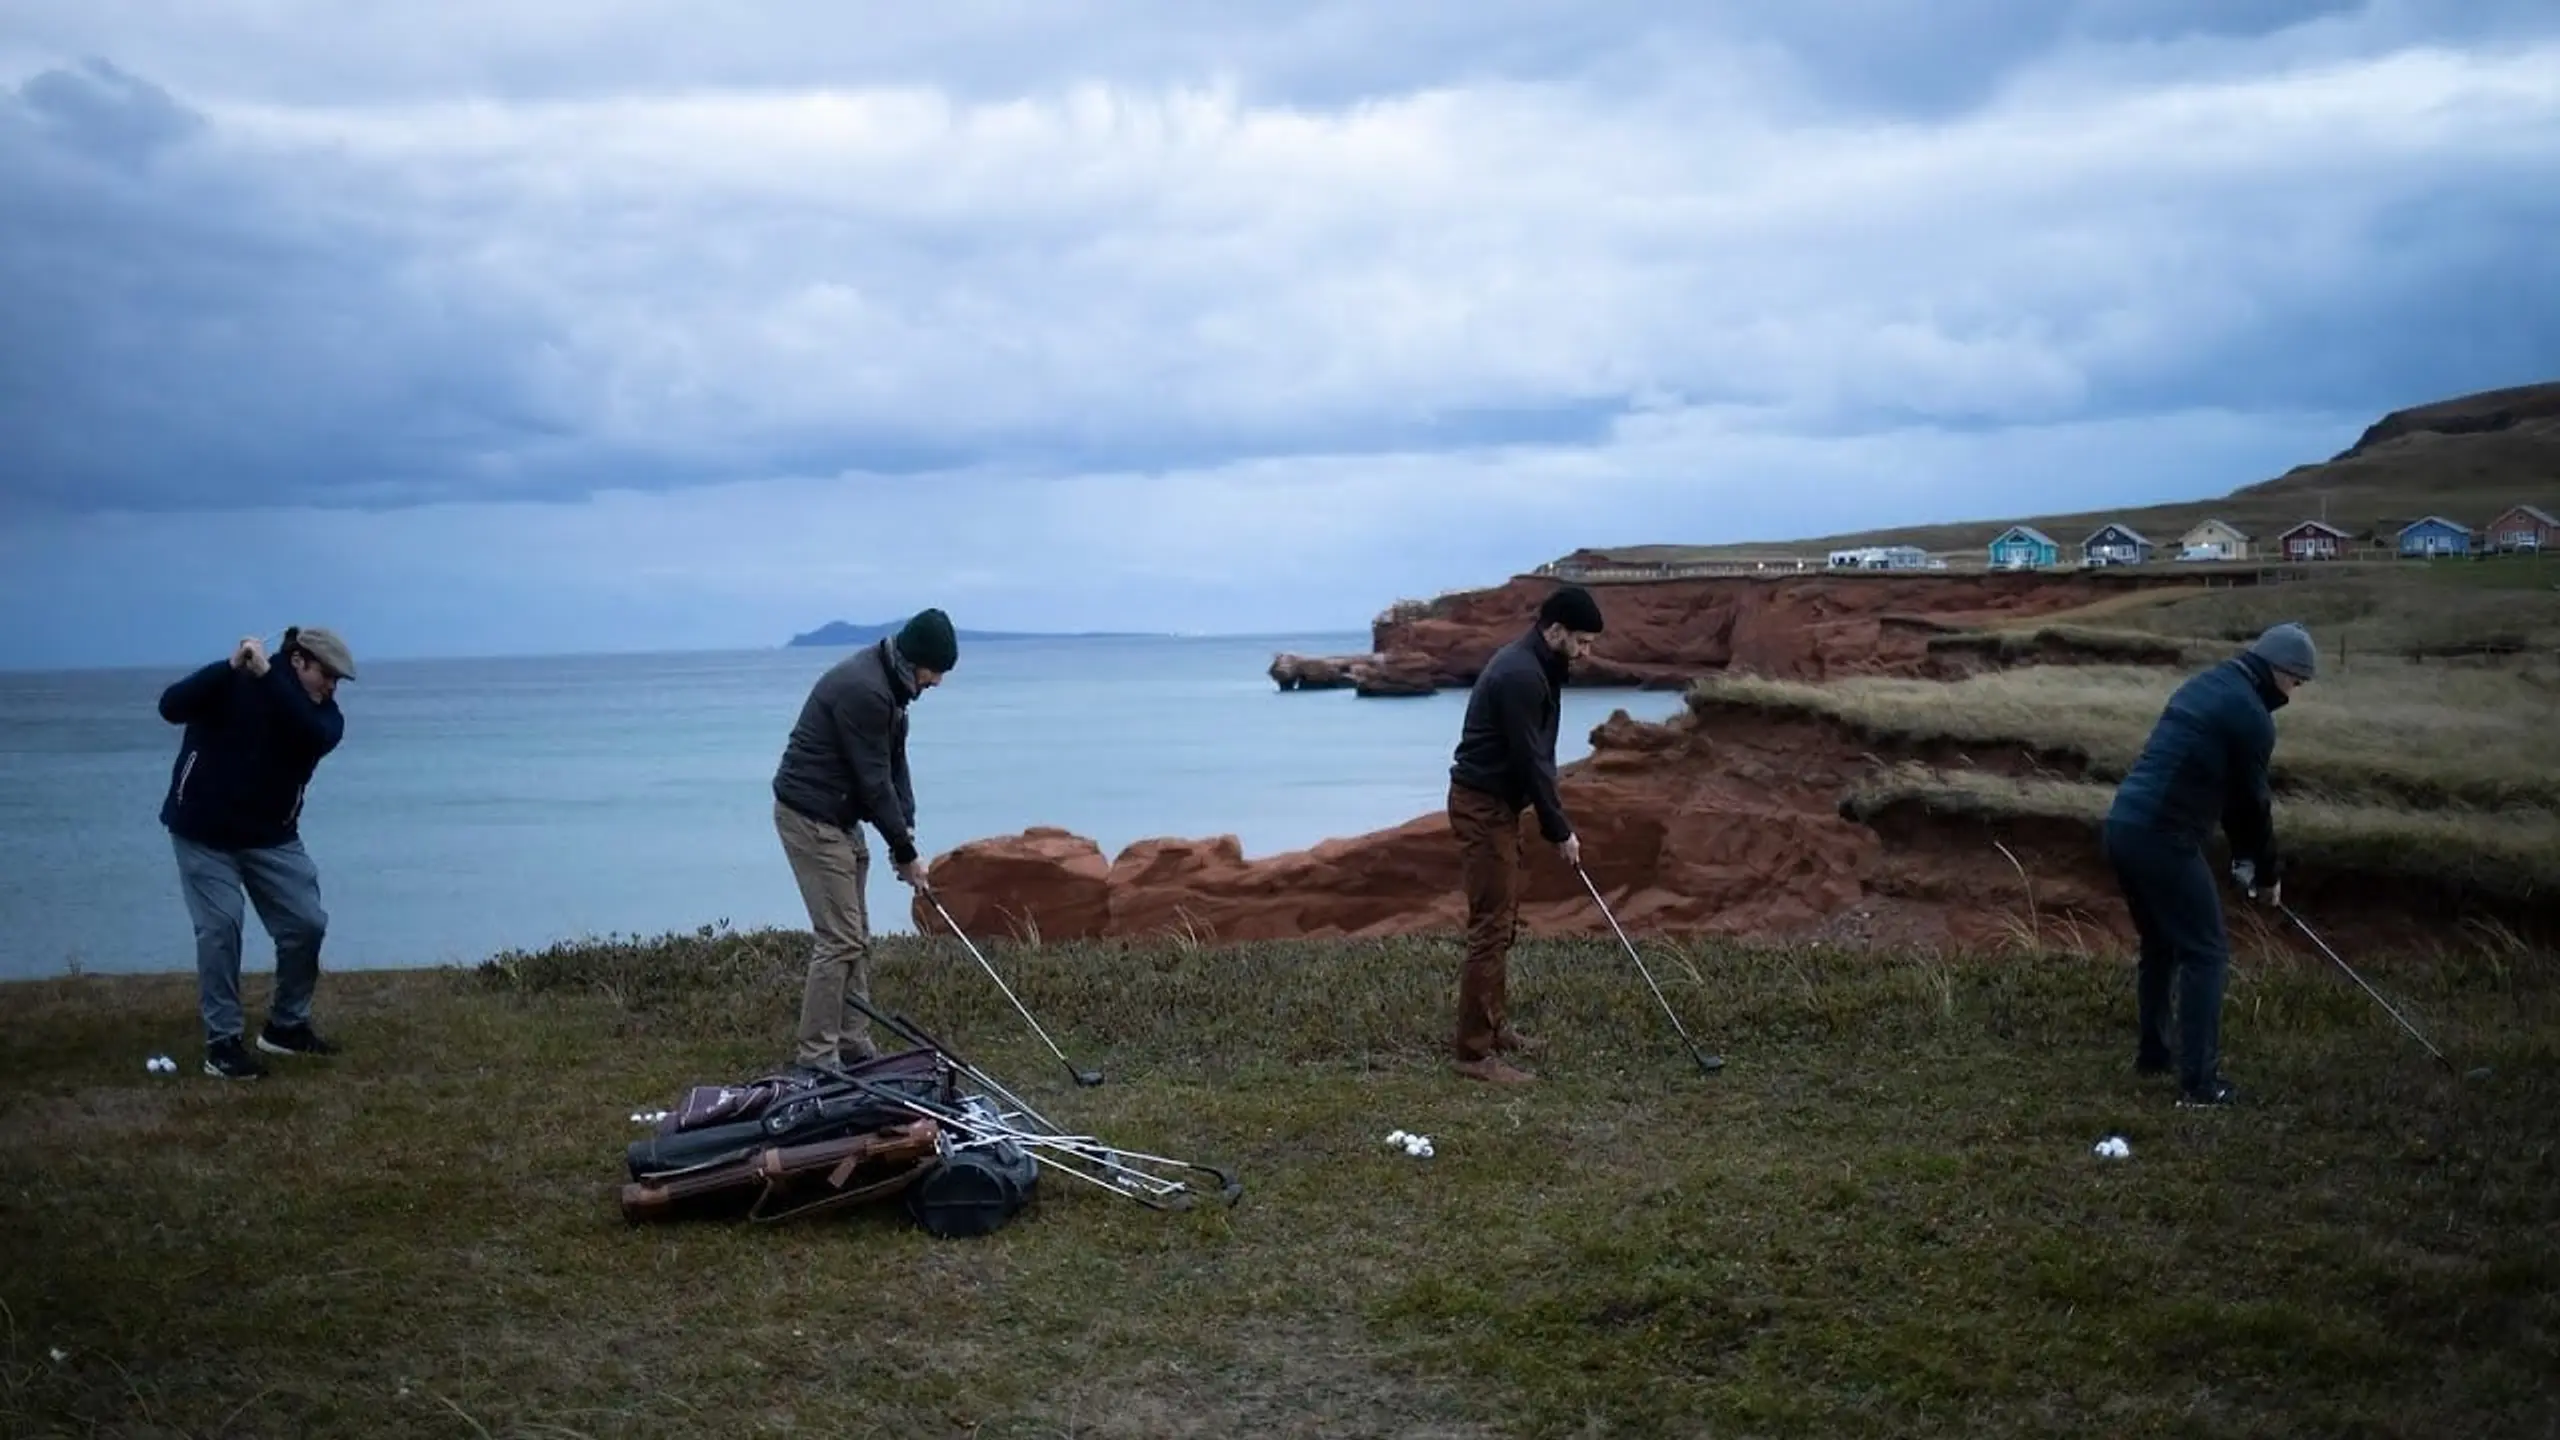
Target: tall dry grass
[[2509, 853], [2430, 734]]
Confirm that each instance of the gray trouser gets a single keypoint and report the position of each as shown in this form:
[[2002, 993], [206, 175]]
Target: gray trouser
[[832, 866], [285, 886]]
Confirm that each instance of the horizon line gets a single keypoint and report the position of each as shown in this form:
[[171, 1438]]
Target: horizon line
[[1013, 637]]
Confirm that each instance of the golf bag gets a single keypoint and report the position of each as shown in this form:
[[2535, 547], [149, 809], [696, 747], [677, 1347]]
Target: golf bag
[[792, 1144], [977, 1186]]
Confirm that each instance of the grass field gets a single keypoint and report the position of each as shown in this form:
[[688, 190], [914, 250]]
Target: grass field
[[1883, 1218], [2431, 607], [2435, 735]]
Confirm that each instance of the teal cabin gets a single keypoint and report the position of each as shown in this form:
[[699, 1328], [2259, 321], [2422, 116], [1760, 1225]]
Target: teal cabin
[[2024, 547]]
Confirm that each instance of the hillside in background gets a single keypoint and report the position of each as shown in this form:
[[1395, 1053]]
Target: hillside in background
[[2466, 459]]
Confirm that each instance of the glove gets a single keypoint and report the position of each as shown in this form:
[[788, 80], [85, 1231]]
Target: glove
[[2249, 874]]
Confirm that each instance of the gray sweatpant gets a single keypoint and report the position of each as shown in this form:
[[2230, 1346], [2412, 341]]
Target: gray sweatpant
[[285, 886]]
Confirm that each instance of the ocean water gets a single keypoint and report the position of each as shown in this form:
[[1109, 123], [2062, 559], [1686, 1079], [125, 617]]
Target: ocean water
[[482, 805]]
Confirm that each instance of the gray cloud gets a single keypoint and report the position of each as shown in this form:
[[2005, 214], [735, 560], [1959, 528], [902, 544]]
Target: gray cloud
[[481, 253]]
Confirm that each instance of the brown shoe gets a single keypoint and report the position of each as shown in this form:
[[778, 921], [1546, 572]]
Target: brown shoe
[[1518, 1044], [1494, 1070]]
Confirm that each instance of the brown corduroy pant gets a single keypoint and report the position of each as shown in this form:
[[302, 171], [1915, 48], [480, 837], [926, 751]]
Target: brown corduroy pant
[[1488, 833]]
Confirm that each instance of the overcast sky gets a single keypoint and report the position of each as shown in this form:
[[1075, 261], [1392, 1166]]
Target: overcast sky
[[482, 327]]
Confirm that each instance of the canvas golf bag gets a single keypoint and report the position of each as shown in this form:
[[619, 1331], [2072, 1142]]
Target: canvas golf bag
[[798, 1143]]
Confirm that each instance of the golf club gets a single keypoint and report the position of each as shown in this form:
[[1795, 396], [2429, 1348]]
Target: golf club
[[2481, 1073], [1707, 1064], [1087, 1078]]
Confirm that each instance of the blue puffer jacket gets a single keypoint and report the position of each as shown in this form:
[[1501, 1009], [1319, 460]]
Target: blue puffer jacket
[[250, 747], [2206, 762]]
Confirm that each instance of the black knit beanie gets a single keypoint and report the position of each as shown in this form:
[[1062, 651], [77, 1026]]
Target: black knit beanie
[[1573, 608], [928, 642]]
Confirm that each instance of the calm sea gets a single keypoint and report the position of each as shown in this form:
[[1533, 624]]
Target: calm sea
[[480, 805]]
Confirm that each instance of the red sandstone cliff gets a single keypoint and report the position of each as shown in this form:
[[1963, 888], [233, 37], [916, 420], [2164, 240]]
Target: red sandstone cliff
[[1665, 633], [1727, 821]]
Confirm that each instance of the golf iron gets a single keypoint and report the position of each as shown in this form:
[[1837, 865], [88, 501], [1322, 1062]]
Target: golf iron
[[1087, 1078], [1123, 1172], [2481, 1073], [1707, 1064]]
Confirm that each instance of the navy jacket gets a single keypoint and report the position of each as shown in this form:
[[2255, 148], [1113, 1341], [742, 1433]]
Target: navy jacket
[[1507, 746], [846, 759], [2206, 763], [249, 748]]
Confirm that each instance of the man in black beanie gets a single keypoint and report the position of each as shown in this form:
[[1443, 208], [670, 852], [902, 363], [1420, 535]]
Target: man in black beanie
[[1506, 763], [846, 764]]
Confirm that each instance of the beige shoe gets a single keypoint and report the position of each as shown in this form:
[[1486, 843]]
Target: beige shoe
[[1494, 1070]]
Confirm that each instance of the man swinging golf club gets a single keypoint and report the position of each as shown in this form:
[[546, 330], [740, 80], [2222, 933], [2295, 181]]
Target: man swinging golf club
[[1506, 762], [2206, 762], [844, 765]]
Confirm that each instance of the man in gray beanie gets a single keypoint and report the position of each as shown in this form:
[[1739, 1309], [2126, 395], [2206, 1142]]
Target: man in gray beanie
[[2205, 764], [846, 765]]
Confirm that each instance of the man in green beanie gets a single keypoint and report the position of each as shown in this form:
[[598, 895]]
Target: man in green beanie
[[845, 765]]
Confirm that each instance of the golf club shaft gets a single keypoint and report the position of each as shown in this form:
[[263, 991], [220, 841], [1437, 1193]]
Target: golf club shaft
[[1641, 968], [1007, 989], [2369, 990]]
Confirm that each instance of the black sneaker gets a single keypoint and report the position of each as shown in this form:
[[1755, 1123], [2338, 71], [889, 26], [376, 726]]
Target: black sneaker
[[224, 1059], [298, 1040], [2212, 1095]]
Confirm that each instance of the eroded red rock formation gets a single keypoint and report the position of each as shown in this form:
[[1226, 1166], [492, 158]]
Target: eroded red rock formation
[[1727, 821], [1723, 823], [1665, 633]]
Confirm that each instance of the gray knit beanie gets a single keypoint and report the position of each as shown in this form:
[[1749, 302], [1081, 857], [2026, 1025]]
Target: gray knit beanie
[[2288, 647]]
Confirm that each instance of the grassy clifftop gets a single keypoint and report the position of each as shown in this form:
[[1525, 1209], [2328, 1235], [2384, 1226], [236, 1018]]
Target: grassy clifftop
[[1883, 1218]]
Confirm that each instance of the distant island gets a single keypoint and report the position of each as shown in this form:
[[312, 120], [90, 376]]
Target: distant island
[[843, 633]]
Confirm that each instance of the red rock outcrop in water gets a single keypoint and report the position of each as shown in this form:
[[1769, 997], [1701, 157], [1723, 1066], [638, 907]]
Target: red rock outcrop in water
[[1665, 633]]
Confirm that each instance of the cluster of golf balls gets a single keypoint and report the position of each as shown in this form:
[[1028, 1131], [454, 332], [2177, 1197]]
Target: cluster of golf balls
[[161, 1065], [1418, 1146], [647, 1117], [2113, 1148]]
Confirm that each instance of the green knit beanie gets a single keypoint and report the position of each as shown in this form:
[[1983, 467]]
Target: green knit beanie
[[928, 642]]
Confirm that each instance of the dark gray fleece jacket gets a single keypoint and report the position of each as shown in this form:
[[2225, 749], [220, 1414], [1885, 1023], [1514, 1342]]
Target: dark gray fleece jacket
[[846, 760]]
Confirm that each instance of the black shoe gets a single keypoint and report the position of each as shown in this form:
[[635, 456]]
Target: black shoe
[[2212, 1095], [299, 1040], [225, 1060]]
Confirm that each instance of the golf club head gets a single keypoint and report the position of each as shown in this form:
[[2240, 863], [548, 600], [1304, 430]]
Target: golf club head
[[1707, 1064], [1087, 1078]]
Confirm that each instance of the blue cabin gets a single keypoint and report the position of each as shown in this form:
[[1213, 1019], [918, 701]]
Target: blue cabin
[[2116, 544], [2434, 535], [2022, 547]]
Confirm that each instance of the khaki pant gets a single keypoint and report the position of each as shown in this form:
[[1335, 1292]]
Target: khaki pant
[[833, 867], [1488, 834]]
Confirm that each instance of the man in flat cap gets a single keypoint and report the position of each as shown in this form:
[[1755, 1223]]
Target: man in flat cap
[[1506, 763], [2205, 765], [255, 733], [845, 765]]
